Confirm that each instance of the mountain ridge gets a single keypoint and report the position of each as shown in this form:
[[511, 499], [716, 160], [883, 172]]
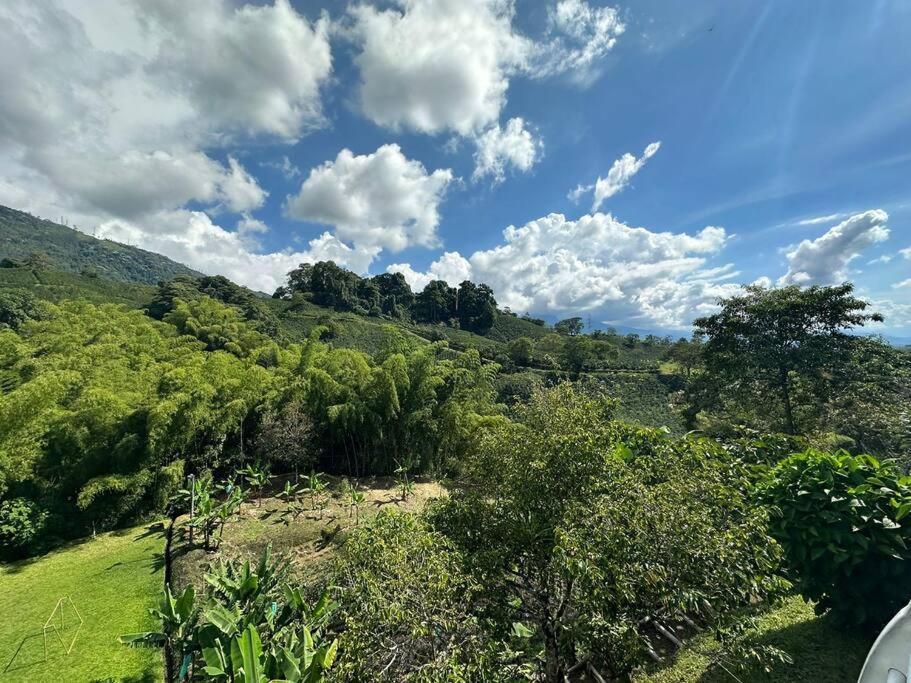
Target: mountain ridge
[[69, 250]]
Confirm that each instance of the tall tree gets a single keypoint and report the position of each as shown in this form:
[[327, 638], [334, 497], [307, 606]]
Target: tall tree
[[437, 303], [769, 343], [570, 327], [476, 307]]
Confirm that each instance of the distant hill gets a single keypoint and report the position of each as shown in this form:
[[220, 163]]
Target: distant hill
[[22, 234]]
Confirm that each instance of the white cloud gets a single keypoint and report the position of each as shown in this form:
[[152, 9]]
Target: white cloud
[[437, 65], [501, 148], [905, 252], [618, 177], [885, 258], [818, 220], [579, 36], [192, 238], [285, 165], [257, 69], [445, 65], [597, 263], [451, 267], [382, 199], [903, 283], [109, 109], [239, 190], [825, 259]]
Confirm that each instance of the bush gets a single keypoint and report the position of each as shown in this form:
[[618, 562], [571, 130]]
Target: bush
[[21, 522], [843, 522], [584, 529], [405, 607]]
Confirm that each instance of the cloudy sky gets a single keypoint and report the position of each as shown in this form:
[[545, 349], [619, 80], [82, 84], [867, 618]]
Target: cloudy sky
[[629, 161]]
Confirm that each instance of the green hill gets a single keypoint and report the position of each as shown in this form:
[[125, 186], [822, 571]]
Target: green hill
[[69, 250]]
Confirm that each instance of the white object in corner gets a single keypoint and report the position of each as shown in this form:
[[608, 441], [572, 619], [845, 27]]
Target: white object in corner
[[889, 660]]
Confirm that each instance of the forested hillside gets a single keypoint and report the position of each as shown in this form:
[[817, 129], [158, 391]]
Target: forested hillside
[[580, 524], [24, 237]]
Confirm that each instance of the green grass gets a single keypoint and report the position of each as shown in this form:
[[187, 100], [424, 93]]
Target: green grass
[[112, 579], [820, 650]]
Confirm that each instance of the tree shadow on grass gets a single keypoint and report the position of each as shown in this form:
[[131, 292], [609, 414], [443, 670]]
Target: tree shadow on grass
[[821, 651]]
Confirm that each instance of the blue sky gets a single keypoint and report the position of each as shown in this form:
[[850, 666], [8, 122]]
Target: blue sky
[[779, 123]]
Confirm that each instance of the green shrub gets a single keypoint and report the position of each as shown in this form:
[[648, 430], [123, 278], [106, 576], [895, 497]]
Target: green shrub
[[21, 522], [843, 522], [405, 607]]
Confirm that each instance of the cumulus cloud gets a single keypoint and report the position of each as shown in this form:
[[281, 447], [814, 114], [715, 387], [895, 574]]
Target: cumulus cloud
[[382, 199], [451, 267], [445, 65], [257, 69], [437, 65], [498, 149], [110, 109], [825, 259], [618, 177], [558, 265], [192, 238], [903, 283], [905, 252]]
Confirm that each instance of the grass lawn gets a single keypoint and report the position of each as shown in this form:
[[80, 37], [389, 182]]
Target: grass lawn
[[112, 580], [821, 652]]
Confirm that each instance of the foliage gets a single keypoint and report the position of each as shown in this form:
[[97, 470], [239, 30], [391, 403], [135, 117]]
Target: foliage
[[405, 607], [471, 307], [21, 523], [582, 528], [569, 326], [843, 523], [22, 234], [251, 625], [105, 400], [17, 306], [778, 348], [286, 437]]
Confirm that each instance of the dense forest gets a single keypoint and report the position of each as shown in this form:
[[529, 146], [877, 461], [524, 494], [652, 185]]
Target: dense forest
[[601, 490]]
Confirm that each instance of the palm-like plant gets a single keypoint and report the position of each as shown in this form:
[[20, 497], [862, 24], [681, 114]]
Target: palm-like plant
[[256, 476], [179, 618], [253, 627]]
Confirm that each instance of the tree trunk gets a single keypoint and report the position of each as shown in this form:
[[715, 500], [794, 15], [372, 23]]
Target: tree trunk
[[785, 386], [554, 671]]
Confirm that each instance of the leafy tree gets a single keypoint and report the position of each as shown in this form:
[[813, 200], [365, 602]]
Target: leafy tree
[[843, 523], [436, 303], [476, 307], [17, 306], [687, 353], [521, 351], [569, 326], [286, 436], [218, 326], [404, 605], [583, 530], [768, 344], [21, 523], [396, 296]]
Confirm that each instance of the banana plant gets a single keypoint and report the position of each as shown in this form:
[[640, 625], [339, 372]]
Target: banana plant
[[253, 626], [403, 483], [315, 487], [179, 618], [256, 475]]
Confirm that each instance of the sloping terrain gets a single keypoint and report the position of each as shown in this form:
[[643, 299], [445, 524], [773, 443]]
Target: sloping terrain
[[67, 249]]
